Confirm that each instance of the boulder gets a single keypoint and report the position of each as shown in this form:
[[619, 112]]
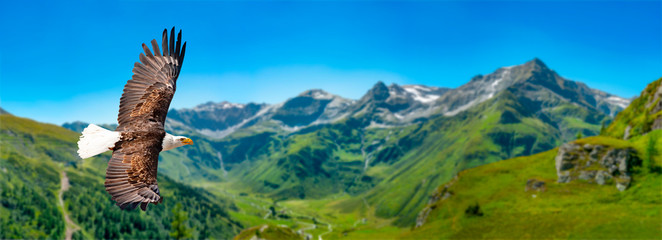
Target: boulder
[[595, 164], [601, 177], [535, 185]]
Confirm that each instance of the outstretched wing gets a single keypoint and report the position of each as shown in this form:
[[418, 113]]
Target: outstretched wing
[[131, 173], [147, 95]]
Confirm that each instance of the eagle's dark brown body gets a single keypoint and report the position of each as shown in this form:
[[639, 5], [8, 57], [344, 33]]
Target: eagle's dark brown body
[[132, 170]]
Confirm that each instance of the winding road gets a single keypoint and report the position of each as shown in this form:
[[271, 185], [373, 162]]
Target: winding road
[[71, 227], [330, 230], [303, 230]]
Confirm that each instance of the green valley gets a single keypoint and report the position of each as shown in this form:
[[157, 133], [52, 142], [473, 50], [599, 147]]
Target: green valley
[[392, 167], [484, 160]]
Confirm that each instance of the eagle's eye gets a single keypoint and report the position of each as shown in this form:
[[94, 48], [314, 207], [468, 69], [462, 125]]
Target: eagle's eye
[[186, 141]]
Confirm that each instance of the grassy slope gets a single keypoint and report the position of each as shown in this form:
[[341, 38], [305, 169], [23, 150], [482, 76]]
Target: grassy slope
[[637, 115], [573, 210], [31, 158], [479, 136], [406, 164], [31, 155], [271, 232]]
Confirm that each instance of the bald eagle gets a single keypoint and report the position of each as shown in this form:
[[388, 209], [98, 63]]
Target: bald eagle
[[140, 135]]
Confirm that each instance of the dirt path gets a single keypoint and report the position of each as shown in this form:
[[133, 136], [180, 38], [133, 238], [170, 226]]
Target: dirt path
[[70, 225], [303, 230], [319, 237]]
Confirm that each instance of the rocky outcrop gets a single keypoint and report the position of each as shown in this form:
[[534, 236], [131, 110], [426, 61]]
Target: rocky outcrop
[[595, 164], [441, 193], [656, 108], [626, 134], [657, 124], [397, 105]]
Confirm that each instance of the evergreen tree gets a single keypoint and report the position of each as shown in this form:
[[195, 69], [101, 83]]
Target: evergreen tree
[[179, 229], [272, 209], [603, 127]]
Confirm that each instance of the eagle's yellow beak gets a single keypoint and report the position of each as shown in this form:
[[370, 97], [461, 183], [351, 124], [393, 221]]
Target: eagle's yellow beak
[[187, 141]]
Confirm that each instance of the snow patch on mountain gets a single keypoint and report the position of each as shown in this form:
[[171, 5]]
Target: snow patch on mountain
[[421, 94], [482, 89], [317, 94], [374, 124], [218, 134], [210, 106], [618, 101], [495, 85]]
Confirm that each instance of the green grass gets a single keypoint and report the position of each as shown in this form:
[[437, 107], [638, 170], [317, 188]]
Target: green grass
[[269, 231], [495, 130], [576, 123], [576, 210], [472, 138], [607, 141], [405, 163], [573, 210], [31, 158]]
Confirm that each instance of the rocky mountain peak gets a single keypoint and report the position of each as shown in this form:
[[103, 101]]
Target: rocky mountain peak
[[397, 105], [536, 64], [316, 94], [395, 89], [310, 107], [379, 92], [211, 118], [532, 80]]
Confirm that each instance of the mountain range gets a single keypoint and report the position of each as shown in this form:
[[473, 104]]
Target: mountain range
[[352, 166], [541, 88], [392, 146], [566, 192]]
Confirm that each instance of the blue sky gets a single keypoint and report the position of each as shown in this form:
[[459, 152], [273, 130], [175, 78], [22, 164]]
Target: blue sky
[[63, 61]]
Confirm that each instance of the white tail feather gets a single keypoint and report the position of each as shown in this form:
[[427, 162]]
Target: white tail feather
[[96, 140]]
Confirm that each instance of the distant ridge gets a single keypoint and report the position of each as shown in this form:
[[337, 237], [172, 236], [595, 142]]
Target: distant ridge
[[540, 87], [78, 126], [2, 111]]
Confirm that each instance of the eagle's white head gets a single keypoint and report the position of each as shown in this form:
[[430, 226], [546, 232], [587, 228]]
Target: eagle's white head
[[170, 141]]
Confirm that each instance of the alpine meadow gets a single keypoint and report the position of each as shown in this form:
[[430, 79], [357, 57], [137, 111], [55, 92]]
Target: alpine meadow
[[391, 120]]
